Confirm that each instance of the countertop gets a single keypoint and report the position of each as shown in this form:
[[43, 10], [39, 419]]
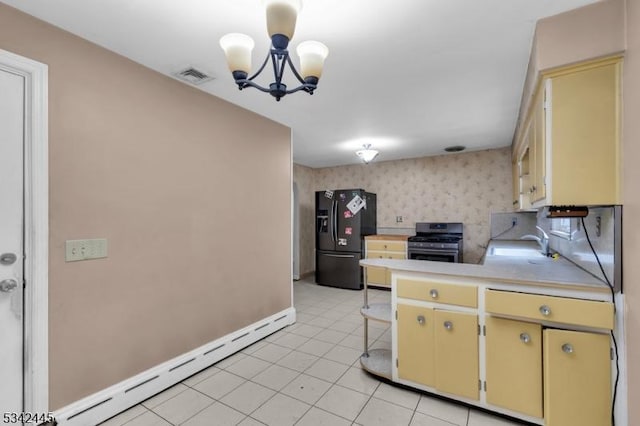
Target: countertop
[[387, 237], [544, 271]]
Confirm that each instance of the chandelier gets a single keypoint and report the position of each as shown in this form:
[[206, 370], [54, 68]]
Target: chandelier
[[367, 154], [281, 24]]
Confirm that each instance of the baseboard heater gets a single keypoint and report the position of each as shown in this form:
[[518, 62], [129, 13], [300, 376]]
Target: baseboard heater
[[107, 403]]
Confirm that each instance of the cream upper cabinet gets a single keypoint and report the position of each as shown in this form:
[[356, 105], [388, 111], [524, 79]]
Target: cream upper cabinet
[[568, 147]]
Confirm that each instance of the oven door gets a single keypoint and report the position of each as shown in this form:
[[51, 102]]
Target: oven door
[[433, 255]]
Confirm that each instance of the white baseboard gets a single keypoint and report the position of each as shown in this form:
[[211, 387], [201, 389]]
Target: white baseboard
[[107, 403]]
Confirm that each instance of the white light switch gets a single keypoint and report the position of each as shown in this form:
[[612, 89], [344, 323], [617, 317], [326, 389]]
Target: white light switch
[[85, 249]]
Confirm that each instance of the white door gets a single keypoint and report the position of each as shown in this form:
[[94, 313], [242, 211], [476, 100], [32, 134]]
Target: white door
[[12, 92]]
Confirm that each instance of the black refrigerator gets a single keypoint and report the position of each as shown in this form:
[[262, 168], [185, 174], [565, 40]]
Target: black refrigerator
[[343, 218]]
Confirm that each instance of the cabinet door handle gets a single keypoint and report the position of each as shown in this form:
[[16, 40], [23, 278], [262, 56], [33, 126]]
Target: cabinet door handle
[[448, 325], [567, 348], [421, 320], [434, 293], [525, 338], [545, 310]]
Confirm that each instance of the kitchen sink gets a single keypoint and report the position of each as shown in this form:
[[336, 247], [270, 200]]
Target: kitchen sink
[[515, 252]]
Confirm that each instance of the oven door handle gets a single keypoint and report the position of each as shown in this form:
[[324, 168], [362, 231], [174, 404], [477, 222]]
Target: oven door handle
[[340, 255]]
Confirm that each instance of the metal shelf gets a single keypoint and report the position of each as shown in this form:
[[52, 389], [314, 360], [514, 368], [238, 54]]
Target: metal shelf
[[378, 362], [377, 312]]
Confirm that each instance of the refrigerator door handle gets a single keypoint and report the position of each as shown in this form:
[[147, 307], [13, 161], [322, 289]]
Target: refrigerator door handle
[[335, 220], [339, 255]]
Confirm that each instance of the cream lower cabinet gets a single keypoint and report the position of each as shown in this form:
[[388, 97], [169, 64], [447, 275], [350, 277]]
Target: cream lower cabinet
[[456, 347], [415, 344], [541, 357], [514, 365], [383, 249], [438, 348], [577, 378], [535, 365]]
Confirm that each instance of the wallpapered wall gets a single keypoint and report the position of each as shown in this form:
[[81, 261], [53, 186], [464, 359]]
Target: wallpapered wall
[[465, 187], [303, 178]]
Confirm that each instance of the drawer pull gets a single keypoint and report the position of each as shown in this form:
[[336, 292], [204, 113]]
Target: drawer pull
[[567, 348], [545, 310], [434, 293], [525, 338], [421, 319], [448, 325]]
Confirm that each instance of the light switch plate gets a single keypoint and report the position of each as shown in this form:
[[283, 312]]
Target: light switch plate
[[85, 249]]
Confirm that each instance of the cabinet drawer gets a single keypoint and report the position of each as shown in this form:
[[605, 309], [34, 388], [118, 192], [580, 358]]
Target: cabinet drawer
[[376, 275], [386, 255], [387, 245], [587, 313], [436, 292]]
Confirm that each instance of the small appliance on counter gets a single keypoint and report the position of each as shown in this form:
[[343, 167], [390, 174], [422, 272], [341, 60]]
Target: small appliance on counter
[[343, 218], [440, 242]]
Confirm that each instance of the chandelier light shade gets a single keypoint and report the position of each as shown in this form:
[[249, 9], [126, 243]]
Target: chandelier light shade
[[237, 48], [282, 16], [281, 25], [312, 55], [367, 154]]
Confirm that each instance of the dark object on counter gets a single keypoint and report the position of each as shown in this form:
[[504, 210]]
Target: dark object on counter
[[440, 242], [343, 218], [567, 211]]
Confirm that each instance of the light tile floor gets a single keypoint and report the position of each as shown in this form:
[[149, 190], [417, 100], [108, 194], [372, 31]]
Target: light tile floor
[[306, 374]]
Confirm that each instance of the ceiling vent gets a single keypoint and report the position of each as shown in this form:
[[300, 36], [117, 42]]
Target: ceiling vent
[[193, 76]]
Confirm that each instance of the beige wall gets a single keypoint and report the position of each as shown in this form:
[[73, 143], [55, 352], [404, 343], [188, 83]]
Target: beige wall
[[589, 32], [177, 181], [580, 34], [631, 200], [464, 187]]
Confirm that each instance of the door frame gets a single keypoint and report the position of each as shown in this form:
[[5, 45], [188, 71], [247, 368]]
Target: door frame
[[36, 229]]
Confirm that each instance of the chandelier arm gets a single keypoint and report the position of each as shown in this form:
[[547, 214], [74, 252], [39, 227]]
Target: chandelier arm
[[295, 72], [279, 59], [264, 64], [249, 83], [309, 88]]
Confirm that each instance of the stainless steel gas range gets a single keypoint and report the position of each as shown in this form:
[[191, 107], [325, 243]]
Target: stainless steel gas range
[[440, 242]]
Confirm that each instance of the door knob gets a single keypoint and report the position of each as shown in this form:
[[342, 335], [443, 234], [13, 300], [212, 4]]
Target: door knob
[[567, 348], [421, 319], [7, 259], [525, 338], [7, 286], [448, 325]]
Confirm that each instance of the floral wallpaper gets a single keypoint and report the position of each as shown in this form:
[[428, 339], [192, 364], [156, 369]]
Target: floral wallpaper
[[464, 187], [303, 179]]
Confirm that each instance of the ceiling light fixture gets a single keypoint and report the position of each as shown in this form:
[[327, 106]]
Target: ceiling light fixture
[[281, 24], [367, 154]]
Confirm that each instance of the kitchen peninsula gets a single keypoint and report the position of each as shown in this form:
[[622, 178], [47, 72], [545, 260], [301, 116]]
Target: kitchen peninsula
[[524, 335]]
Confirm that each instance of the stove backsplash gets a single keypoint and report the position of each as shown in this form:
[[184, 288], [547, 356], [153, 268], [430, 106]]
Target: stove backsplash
[[576, 248]]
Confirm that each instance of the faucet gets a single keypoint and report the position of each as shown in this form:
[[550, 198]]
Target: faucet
[[544, 241]]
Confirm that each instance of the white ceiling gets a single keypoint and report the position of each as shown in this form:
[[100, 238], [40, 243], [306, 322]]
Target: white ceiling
[[411, 77]]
